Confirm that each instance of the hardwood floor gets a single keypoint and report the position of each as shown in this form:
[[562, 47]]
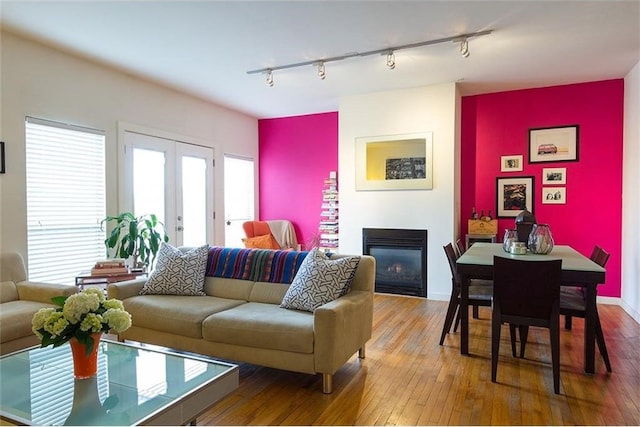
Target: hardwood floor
[[408, 379]]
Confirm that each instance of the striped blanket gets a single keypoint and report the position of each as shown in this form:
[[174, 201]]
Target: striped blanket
[[258, 265]]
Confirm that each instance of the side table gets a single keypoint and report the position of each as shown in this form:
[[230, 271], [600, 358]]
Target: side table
[[472, 238], [85, 278]]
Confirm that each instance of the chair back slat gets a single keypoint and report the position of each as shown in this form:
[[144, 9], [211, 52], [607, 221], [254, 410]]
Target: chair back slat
[[452, 258]]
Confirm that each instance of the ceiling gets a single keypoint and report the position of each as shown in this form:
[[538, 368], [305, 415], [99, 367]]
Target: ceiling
[[205, 48]]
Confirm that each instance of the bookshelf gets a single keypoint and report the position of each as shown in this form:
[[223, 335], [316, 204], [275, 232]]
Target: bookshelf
[[328, 228]]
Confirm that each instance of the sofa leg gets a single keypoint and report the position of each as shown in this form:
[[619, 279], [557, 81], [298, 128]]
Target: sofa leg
[[361, 352], [327, 383]]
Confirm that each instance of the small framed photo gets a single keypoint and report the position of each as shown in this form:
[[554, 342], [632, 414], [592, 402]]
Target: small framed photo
[[554, 176], [554, 195], [556, 144], [514, 195], [510, 163]]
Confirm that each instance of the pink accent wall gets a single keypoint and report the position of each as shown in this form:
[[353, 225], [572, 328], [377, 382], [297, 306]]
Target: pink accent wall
[[296, 154], [497, 124]]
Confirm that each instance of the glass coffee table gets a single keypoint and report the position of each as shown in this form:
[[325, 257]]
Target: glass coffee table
[[134, 385]]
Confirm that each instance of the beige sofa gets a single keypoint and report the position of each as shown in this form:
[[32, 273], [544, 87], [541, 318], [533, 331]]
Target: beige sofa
[[19, 300], [242, 320]]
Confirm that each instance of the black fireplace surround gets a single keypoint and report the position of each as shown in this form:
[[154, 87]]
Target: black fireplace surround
[[401, 259]]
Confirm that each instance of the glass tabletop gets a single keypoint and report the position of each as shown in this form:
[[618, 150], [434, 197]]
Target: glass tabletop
[[132, 385]]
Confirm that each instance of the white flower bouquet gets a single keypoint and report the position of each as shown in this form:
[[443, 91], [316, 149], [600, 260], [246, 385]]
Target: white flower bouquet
[[79, 316]]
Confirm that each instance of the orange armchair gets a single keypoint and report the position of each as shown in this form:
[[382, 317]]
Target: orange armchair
[[272, 234]]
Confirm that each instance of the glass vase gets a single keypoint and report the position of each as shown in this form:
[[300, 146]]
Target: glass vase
[[510, 237], [85, 365], [540, 239]]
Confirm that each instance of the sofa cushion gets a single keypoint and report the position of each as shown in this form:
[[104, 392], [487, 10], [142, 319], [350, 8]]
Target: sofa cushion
[[228, 288], [176, 314], [177, 272], [320, 280], [15, 318], [8, 291], [245, 325], [261, 242], [269, 293]]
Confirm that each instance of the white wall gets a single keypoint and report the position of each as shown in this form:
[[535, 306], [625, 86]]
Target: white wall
[[631, 195], [427, 109], [39, 81]]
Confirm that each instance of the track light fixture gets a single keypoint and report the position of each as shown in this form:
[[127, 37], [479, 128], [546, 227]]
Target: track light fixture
[[391, 60], [269, 78], [463, 39], [464, 47], [321, 72]]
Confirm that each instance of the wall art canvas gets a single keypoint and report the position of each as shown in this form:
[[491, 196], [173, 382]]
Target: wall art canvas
[[511, 163], [554, 195], [394, 162], [554, 176], [514, 195], [555, 144]]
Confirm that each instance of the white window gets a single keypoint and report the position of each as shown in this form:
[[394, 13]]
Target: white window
[[65, 199]]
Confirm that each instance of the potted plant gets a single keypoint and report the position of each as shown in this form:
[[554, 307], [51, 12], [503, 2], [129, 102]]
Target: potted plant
[[138, 238]]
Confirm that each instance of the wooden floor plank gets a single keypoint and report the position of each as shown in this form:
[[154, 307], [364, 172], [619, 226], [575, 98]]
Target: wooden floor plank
[[408, 379]]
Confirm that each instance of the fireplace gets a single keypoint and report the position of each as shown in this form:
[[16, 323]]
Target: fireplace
[[401, 259]]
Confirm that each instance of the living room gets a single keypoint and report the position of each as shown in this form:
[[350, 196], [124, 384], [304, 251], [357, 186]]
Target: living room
[[470, 133]]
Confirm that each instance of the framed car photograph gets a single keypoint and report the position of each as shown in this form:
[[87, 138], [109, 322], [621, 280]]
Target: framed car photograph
[[554, 144], [554, 176], [514, 195]]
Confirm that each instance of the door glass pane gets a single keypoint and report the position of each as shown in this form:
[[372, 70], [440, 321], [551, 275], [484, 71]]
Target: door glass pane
[[148, 183], [238, 198], [194, 199]]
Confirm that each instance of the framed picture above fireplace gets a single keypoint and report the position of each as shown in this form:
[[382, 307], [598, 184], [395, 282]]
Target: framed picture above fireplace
[[395, 162]]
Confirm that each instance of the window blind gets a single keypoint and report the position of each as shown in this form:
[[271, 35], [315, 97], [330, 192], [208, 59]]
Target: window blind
[[65, 199]]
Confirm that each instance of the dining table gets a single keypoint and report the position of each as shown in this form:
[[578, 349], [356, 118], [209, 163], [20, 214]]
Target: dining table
[[577, 270]]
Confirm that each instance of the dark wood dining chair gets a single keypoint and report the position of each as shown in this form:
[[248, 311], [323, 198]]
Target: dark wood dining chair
[[460, 249], [526, 293], [573, 304], [480, 292]]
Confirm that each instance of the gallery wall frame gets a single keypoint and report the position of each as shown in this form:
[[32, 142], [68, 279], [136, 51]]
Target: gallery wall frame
[[513, 195], [394, 162], [554, 195], [2, 160], [554, 176], [511, 163], [554, 144]]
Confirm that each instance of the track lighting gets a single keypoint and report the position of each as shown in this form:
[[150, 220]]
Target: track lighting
[[321, 73], [391, 60], [269, 78], [463, 39], [464, 47]]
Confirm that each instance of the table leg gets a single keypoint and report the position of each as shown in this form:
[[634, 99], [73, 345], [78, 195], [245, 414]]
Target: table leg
[[464, 314], [590, 329]]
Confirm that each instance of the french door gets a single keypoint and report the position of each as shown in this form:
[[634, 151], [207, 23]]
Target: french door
[[239, 194], [173, 180]]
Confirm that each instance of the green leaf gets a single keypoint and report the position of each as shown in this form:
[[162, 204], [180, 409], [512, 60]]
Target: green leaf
[[59, 300]]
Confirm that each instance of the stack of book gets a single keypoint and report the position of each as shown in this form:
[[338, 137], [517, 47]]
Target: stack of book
[[328, 228], [109, 266]]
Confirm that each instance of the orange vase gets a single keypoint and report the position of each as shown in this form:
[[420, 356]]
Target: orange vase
[[85, 365]]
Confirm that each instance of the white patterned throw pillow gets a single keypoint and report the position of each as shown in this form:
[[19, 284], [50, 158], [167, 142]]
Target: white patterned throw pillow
[[177, 272], [320, 280]]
